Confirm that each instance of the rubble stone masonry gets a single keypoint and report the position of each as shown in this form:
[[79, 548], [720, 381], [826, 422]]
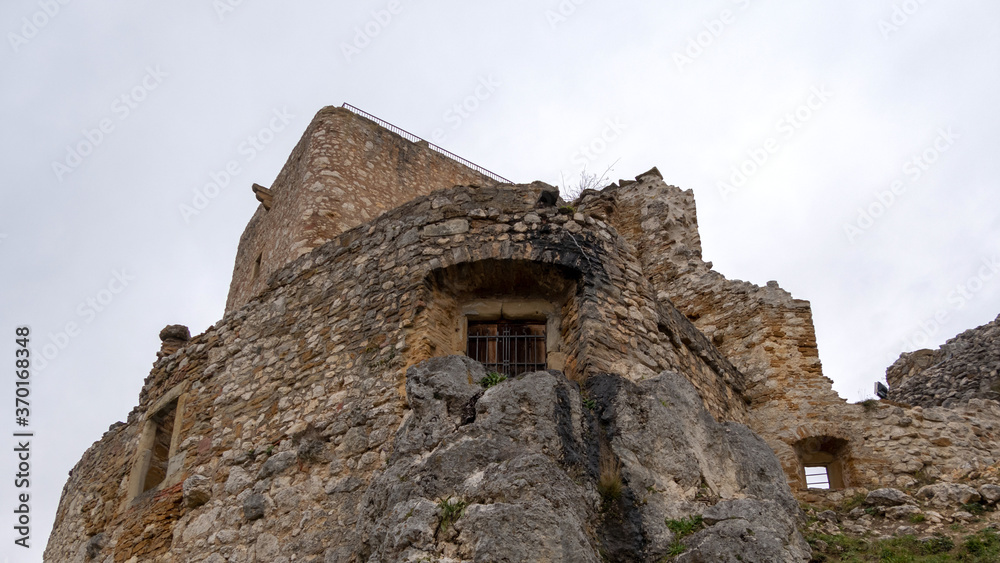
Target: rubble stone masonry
[[346, 170], [368, 256], [321, 355], [965, 367]]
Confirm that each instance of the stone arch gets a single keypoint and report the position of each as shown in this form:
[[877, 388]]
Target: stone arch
[[497, 288]]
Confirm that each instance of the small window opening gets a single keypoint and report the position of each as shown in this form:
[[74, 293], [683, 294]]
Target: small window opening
[[160, 451], [823, 461], [817, 477], [256, 265], [507, 347]]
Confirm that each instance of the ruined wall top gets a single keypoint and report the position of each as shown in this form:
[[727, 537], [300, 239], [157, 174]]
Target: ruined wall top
[[963, 368], [346, 170]]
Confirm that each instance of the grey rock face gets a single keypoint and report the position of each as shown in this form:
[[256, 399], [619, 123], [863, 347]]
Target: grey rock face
[[674, 454], [447, 228], [276, 464], [990, 493], [511, 473], [948, 494], [175, 332], [253, 506], [900, 512], [197, 490], [888, 497], [746, 530]]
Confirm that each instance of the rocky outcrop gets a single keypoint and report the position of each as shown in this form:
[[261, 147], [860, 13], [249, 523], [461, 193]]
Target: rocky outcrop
[[526, 471], [965, 367]]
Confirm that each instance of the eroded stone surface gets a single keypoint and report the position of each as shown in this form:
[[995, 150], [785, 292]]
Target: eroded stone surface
[[963, 368], [526, 470], [299, 428]]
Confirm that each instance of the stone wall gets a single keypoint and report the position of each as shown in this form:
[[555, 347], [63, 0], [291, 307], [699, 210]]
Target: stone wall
[[769, 336], [965, 367], [311, 374], [291, 411], [346, 170], [766, 333]]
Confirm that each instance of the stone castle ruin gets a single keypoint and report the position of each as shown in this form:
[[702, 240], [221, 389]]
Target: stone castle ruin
[[421, 361]]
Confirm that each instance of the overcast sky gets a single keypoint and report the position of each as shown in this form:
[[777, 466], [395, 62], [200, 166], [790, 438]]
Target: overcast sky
[[846, 149]]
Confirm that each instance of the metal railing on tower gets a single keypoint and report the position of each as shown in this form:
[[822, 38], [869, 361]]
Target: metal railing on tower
[[415, 139]]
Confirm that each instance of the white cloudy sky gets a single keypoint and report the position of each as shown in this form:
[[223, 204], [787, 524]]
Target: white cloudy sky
[[847, 100]]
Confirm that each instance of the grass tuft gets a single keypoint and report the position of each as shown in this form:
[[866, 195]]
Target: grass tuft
[[686, 526], [451, 511], [492, 378], [683, 528], [981, 547], [869, 405]]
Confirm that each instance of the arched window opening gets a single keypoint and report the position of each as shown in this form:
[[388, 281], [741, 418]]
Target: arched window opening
[[513, 316]]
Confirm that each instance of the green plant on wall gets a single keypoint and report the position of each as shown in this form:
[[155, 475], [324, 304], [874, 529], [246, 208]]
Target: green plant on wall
[[492, 378]]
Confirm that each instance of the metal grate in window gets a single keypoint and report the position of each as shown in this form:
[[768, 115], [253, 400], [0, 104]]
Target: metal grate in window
[[507, 347], [818, 477]]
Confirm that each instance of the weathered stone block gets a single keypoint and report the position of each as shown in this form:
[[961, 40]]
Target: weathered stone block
[[197, 490], [447, 228]]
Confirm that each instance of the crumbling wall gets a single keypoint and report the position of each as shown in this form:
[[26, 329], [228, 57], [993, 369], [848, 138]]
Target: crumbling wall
[[292, 401], [965, 367], [765, 332], [345, 171], [769, 336]]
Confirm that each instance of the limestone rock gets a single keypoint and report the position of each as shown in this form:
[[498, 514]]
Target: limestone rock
[[990, 493], [518, 479], [746, 530], [901, 512], [237, 481], [447, 228], [175, 332], [827, 516], [253, 507], [947, 494], [276, 464], [963, 516], [172, 337], [197, 490], [888, 497]]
